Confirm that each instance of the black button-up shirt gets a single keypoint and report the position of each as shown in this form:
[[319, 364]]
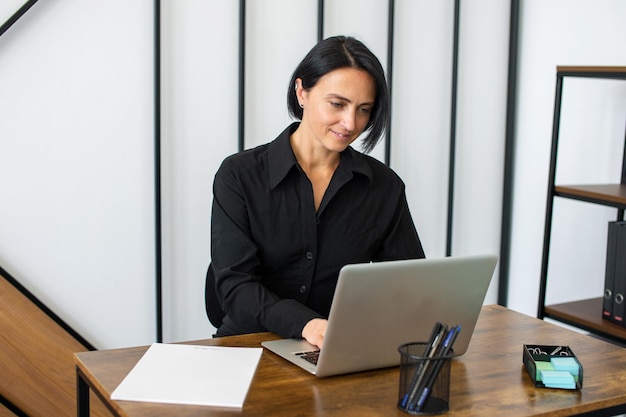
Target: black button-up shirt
[[275, 259]]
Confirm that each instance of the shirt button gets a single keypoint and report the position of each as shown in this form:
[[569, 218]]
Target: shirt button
[[302, 289], [309, 255]]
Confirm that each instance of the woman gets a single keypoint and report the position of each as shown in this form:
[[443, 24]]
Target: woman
[[289, 214]]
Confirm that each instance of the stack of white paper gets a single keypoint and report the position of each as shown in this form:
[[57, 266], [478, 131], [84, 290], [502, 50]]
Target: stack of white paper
[[191, 374]]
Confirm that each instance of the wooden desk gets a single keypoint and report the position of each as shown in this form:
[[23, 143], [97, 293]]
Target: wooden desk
[[488, 380]]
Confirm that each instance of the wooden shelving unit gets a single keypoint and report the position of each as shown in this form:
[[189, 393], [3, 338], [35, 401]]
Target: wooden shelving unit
[[606, 194], [585, 314]]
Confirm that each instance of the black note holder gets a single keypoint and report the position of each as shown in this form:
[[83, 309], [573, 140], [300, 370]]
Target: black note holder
[[553, 366]]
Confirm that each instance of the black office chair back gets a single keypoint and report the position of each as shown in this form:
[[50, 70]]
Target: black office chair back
[[212, 304]]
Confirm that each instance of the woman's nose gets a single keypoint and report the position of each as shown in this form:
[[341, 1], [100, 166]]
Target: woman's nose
[[349, 120]]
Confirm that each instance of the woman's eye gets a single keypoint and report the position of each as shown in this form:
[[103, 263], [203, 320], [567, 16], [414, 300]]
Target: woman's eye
[[366, 110], [336, 105]]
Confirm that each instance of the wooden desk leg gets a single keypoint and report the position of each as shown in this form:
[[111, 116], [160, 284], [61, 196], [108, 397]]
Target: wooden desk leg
[[82, 395]]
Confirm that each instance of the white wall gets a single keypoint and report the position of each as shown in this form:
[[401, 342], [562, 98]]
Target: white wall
[[76, 100], [199, 128], [421, 114], [76, 195]]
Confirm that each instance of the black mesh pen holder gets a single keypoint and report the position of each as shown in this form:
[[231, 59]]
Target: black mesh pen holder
[[424, 381]]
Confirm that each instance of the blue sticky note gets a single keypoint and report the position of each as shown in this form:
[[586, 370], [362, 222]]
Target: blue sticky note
[[565, 364], [570, 385], [558, 379]]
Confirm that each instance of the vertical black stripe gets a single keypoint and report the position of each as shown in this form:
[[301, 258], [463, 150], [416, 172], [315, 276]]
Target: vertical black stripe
[[320, 20], [509, 158], [242, 74], [15, 17], [390, 43], [157, 170], [453, 108]]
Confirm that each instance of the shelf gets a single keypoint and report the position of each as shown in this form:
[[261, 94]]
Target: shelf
[[587, 315], [592, 72], [607, 194]]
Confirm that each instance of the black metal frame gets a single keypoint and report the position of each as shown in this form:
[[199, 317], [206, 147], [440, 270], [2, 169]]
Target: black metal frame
[[556, 121], [551, 192], [83, 398]]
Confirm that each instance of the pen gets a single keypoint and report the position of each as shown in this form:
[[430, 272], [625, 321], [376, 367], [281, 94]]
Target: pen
[[438, 332], [432, 377], [424, 368], [434, 335]]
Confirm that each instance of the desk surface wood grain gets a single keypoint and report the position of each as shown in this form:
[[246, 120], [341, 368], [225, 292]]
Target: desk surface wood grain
[[488, 380]]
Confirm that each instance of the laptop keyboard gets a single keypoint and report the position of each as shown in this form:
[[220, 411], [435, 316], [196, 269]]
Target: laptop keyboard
[[310, 356]]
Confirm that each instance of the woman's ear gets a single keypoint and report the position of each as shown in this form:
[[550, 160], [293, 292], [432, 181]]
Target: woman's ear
[[300, 93]]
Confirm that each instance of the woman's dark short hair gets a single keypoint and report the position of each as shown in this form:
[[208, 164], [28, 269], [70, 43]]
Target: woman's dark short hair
[[341, 52]]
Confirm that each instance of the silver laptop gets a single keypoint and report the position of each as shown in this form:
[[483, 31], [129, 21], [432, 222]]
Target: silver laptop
[[378, 306]]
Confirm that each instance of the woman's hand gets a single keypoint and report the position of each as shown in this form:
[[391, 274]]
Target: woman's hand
[[314, 332]]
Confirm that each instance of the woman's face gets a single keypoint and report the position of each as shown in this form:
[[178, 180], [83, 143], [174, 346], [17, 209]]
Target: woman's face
[[337, 109]]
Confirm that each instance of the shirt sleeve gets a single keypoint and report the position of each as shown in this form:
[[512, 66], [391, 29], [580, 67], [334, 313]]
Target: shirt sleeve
[[243, 297], [401, 240]]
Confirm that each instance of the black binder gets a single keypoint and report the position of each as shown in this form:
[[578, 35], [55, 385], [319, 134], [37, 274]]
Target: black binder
[[619, 282], [609, 275]]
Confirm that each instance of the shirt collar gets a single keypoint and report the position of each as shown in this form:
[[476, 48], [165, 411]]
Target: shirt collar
[[282, 159]]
